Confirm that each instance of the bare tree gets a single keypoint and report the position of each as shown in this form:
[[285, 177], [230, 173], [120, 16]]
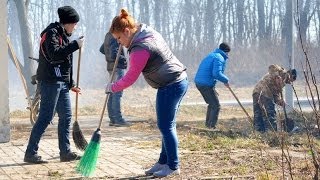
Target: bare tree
[[240, 22], [261, 21], [28, 68], [306, 12], [318, 32], [156, 14], [224, 20], [144, 11], [269, 27], [209, 24]]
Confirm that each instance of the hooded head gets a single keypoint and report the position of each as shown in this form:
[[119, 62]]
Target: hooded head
[[68, 15], [291, 76]]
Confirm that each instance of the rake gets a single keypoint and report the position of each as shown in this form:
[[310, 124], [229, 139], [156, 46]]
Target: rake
[[244, 110]]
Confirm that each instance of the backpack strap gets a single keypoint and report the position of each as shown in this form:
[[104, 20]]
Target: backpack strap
[[43, 38]]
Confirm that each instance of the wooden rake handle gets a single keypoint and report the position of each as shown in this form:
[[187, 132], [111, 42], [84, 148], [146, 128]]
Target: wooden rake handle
[[244, 110], [111, 80]]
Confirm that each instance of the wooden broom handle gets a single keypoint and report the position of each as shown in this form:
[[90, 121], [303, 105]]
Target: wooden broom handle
[[111, 80], [77, 83]]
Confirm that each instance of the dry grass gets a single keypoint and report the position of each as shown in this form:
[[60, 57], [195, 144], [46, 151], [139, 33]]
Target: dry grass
[[229, 151], [141, 101], [232, 152]]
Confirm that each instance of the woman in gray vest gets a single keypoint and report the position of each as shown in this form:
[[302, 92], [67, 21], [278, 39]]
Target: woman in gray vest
[[150, 54]]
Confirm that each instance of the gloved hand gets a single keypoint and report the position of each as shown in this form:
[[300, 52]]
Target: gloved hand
[[80, 41], [108, 88]]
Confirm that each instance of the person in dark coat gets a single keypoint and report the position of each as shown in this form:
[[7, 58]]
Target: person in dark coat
[[54, 74], [110, 48]]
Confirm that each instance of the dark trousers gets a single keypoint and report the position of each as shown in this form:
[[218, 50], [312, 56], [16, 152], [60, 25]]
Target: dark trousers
[[210, 96], [264, 113]]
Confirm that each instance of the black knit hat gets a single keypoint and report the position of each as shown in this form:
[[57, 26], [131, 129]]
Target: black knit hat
[[68, 15], [224, 47]]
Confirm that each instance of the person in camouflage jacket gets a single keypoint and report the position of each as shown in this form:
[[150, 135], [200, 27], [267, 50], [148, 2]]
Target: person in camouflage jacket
[[267, 93]]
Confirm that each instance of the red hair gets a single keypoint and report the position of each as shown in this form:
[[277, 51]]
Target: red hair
[[124, 20]]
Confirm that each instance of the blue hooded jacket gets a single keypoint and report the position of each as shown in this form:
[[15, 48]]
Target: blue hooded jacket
[[212, 69]]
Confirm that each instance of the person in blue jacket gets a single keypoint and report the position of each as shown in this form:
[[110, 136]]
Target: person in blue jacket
[[210, 70]]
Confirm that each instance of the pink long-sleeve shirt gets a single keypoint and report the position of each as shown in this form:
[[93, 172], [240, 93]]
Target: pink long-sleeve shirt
[[138, 60]]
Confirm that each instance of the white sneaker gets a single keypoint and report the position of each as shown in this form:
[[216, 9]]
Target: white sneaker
[[166, 171], [156, 167]]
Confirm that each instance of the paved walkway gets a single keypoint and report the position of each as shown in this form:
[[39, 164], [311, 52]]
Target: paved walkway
[[119, 158]]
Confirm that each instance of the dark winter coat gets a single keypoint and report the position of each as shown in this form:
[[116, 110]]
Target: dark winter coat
[[55, 55], [110, 48]]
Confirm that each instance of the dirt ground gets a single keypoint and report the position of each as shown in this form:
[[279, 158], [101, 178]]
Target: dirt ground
[[231, 151]]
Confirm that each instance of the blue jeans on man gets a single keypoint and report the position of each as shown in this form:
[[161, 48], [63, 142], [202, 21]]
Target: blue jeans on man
[[114, 103], [264, 113], [54, 98], [167, 104]]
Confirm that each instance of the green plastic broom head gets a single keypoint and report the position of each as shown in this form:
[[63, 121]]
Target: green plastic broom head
[[87, 164]]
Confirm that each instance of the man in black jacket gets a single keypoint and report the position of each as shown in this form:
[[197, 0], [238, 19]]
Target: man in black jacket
[[54, 74], [110, 49]]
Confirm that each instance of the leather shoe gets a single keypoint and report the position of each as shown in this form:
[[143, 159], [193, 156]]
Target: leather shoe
[[122, 124], [33, 159], [111, 123], [71, 156]]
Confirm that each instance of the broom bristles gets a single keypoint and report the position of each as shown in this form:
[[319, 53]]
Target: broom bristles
[[78, 138], [87, 164]]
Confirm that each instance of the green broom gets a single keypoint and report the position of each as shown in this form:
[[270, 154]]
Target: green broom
[[87, 164]]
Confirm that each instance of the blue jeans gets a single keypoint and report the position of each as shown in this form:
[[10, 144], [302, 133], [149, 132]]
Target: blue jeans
[[167, 104], [54, 98], [114, 101], [264, 113]]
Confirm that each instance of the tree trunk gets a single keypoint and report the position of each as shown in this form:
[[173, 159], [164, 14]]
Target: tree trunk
[[29, 66], [156, 15], [261, 21], [240, 19], [318, 10], [305, 17], [269, 27], [209, 24], [224, 21], [144, 11]]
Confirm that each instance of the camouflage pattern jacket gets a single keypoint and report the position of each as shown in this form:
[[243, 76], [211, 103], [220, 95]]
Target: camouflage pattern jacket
[[272, 83]]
